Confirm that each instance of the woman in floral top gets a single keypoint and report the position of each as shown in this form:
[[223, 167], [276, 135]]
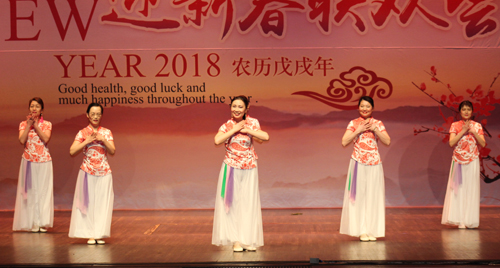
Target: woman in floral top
[[363, 213], [461, 204], [35, 198], [237, 217], [93, 201]]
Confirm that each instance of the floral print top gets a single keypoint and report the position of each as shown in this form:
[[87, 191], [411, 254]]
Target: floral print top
[[35, 150], [95, 159], [466, 149], [240, 151], [365, 144]]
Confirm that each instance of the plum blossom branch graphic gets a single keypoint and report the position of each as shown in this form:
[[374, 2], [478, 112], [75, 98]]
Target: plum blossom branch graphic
[[344, 93], [423, 87], [484, 104], [426, 129], [491, 85], [434, 78], [496, 163]]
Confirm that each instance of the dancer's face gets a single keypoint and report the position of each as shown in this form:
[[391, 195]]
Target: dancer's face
[[466, 112], [35, 109], [94, 116], [365, 109], [238, 110]]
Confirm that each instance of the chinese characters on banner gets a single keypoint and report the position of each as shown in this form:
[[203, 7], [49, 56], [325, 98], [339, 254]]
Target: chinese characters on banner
[[474, 16], [284, 66]]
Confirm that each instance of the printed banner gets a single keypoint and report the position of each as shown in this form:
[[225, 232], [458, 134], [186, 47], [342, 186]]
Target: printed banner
[[166, 71]]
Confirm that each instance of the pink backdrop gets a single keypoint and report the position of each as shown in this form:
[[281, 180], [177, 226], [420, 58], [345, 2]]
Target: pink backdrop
[[134, 56]]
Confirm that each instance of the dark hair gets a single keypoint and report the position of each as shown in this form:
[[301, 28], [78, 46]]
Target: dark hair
[[95, 104], [465, 103], [244, 100], [241, 98], [37, 99], [368, 99]]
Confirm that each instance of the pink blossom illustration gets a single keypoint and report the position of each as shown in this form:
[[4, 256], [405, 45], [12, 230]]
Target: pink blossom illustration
[[483, 102]]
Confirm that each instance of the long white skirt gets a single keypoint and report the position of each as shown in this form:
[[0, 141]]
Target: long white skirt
[[92, 209], [35, 196], [243, 220], [364, 213], [461, 203]]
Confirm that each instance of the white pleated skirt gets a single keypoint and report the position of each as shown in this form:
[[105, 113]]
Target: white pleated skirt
[[243, 220], [35, 196], [91, 213], [364, 214], [461, 203]]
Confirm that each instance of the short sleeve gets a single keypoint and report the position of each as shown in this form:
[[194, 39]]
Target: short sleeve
[[22, 126], [109, 136], [225, 128], [480, 129], [79, 137], [381, 126], [453, 128], [48, 126], [256, 125], [350, 126]]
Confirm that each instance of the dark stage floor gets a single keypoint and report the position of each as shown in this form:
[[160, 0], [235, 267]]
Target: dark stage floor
[[414, 236]]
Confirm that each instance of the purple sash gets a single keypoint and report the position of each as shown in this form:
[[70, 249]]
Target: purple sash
[[82, 200], [27, 178], [456, 175], [353, 177], [228, 187]]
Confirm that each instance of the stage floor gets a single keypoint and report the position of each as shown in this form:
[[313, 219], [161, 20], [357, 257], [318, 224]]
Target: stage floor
[[414, 236]]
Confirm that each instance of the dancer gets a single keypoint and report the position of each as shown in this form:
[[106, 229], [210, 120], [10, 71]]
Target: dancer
[[93, 201], [461, 203], [237, 217], [363, 212], [34, 209]]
